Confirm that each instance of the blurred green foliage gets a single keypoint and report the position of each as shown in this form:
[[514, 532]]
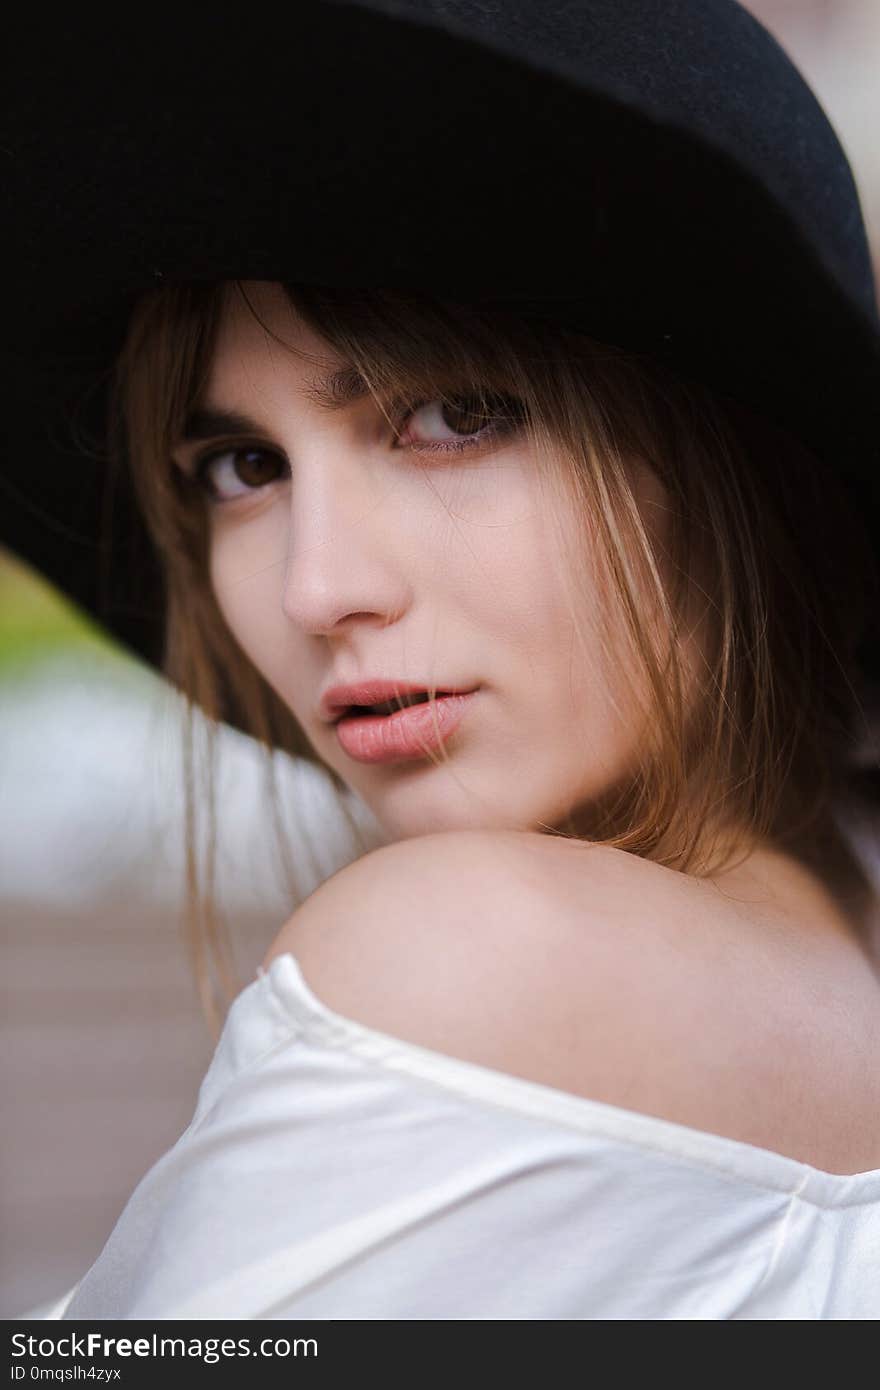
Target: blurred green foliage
[[36, 622]]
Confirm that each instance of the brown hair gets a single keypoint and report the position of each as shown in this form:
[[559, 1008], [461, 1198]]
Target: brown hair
[[766, 559]]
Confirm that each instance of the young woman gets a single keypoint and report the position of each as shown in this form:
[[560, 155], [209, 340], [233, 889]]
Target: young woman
[[580, 604]]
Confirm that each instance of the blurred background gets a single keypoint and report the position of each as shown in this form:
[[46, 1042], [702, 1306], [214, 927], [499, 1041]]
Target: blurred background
[[103, 1043]]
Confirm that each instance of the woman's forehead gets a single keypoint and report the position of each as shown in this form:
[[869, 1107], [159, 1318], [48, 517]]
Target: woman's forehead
[[261, 331], [260, 312]]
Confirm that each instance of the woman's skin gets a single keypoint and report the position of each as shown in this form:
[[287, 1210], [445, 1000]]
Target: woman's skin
[[369, 559]]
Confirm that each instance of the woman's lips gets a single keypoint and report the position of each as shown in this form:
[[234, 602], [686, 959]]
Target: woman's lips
[[406, 734]]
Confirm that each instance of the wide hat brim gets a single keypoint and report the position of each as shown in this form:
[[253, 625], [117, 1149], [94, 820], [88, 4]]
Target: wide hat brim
[[657, 176]]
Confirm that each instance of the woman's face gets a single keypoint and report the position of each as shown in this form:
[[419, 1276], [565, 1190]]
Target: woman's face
[[340, 554]]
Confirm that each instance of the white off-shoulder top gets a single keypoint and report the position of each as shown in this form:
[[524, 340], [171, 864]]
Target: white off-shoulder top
[[333, 1171]]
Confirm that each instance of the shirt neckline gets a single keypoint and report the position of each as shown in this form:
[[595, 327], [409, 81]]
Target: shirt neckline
[[288, 995]]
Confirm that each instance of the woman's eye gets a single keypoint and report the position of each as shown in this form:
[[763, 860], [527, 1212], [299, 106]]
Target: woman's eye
[[448, 424], [456, 423], [226, 474]]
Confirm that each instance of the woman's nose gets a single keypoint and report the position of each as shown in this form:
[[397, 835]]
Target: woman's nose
[[344, 557]]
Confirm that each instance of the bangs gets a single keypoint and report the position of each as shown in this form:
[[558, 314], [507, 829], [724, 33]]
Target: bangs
[[404, 349], [400, 348], [407, 344]]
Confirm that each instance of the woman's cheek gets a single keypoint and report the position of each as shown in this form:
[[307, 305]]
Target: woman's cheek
[[247, 569]]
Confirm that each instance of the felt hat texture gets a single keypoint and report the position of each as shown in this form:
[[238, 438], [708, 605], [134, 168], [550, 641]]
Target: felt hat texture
[[654, 173]]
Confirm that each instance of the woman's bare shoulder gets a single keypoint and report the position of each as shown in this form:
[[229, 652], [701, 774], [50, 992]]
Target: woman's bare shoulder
[[432, 890], [584, 968], [506, 948]]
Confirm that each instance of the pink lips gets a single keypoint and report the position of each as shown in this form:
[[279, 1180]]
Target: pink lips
[[338, 700], [406, 734]]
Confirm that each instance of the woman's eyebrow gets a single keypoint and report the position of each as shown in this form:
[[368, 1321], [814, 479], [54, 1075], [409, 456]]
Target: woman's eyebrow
[[206, 422], [338, 389], [333, 392]]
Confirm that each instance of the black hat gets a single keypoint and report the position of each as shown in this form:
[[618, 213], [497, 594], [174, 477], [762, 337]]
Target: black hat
[[655, 173]]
